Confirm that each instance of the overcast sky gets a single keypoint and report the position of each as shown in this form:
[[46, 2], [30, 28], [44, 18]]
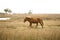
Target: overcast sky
[[37, 6]]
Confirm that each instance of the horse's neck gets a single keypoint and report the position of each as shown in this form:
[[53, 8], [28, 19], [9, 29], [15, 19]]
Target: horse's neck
[[29, 20]]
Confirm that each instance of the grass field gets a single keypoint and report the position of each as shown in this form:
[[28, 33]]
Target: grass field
[[16, 29]]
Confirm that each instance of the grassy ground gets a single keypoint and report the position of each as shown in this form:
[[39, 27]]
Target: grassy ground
[[16, 29]]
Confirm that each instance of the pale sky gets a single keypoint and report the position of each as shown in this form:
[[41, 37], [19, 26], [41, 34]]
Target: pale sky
[[37, 6]]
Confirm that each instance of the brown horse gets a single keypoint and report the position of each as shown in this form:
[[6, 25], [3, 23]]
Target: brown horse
[[34, 20]]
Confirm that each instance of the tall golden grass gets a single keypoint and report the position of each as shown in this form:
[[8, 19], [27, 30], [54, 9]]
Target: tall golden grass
[[16, 29]]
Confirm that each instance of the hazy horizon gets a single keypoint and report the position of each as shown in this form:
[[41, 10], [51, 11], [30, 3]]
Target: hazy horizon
[[37, 6]]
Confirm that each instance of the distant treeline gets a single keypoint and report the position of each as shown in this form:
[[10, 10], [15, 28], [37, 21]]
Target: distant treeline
[[44, 16], [3, 15]]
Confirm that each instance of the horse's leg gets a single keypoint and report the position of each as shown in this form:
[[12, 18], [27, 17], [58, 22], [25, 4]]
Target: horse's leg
[[30, 24], [36, 25]]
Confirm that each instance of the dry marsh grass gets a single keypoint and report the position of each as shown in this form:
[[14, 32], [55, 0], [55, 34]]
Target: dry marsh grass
[[16, 29]]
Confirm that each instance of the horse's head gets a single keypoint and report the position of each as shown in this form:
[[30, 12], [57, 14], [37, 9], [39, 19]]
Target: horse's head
[[27, 19]]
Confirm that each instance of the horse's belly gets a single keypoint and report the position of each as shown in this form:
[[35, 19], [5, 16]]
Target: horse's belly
[[34, 22]]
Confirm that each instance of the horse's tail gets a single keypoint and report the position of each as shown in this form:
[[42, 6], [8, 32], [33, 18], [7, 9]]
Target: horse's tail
[[41, 22]]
